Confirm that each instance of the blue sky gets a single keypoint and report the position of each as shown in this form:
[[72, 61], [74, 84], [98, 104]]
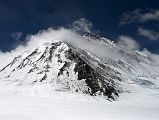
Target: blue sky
[[136, 20]]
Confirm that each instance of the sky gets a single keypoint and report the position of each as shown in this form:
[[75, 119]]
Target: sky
[[131, 22]]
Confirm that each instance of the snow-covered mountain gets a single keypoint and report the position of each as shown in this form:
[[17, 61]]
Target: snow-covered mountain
[[64, 67]]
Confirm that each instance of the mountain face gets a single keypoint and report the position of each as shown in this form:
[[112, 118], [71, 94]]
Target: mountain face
[[75, 70]]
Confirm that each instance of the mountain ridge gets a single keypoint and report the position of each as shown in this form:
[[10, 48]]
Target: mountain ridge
[[73, 69]]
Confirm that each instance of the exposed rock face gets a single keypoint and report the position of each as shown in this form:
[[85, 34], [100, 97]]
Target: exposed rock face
[[62, 65], [96, 82]]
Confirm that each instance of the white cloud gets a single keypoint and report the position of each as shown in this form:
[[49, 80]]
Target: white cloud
[[72, 37], [150, 34], [148, 53], [139, 15], [64, 35], [128, 42], [154, 15], [83, 25]]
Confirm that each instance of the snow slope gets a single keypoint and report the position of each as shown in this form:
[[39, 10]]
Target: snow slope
[[14, 107]]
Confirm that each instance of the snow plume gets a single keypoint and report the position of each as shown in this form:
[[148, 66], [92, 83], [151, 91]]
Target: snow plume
[[70, 36], [128, 42], [66, 35]]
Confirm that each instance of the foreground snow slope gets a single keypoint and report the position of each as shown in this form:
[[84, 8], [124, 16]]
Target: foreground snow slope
[[14, 107]]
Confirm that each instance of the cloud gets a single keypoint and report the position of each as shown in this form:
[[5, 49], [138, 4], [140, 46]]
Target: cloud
[[69, 36], [128, 42], [139, 15], [83, 25], [150, 34], [17, 35], [148, 53], [72, 37]]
